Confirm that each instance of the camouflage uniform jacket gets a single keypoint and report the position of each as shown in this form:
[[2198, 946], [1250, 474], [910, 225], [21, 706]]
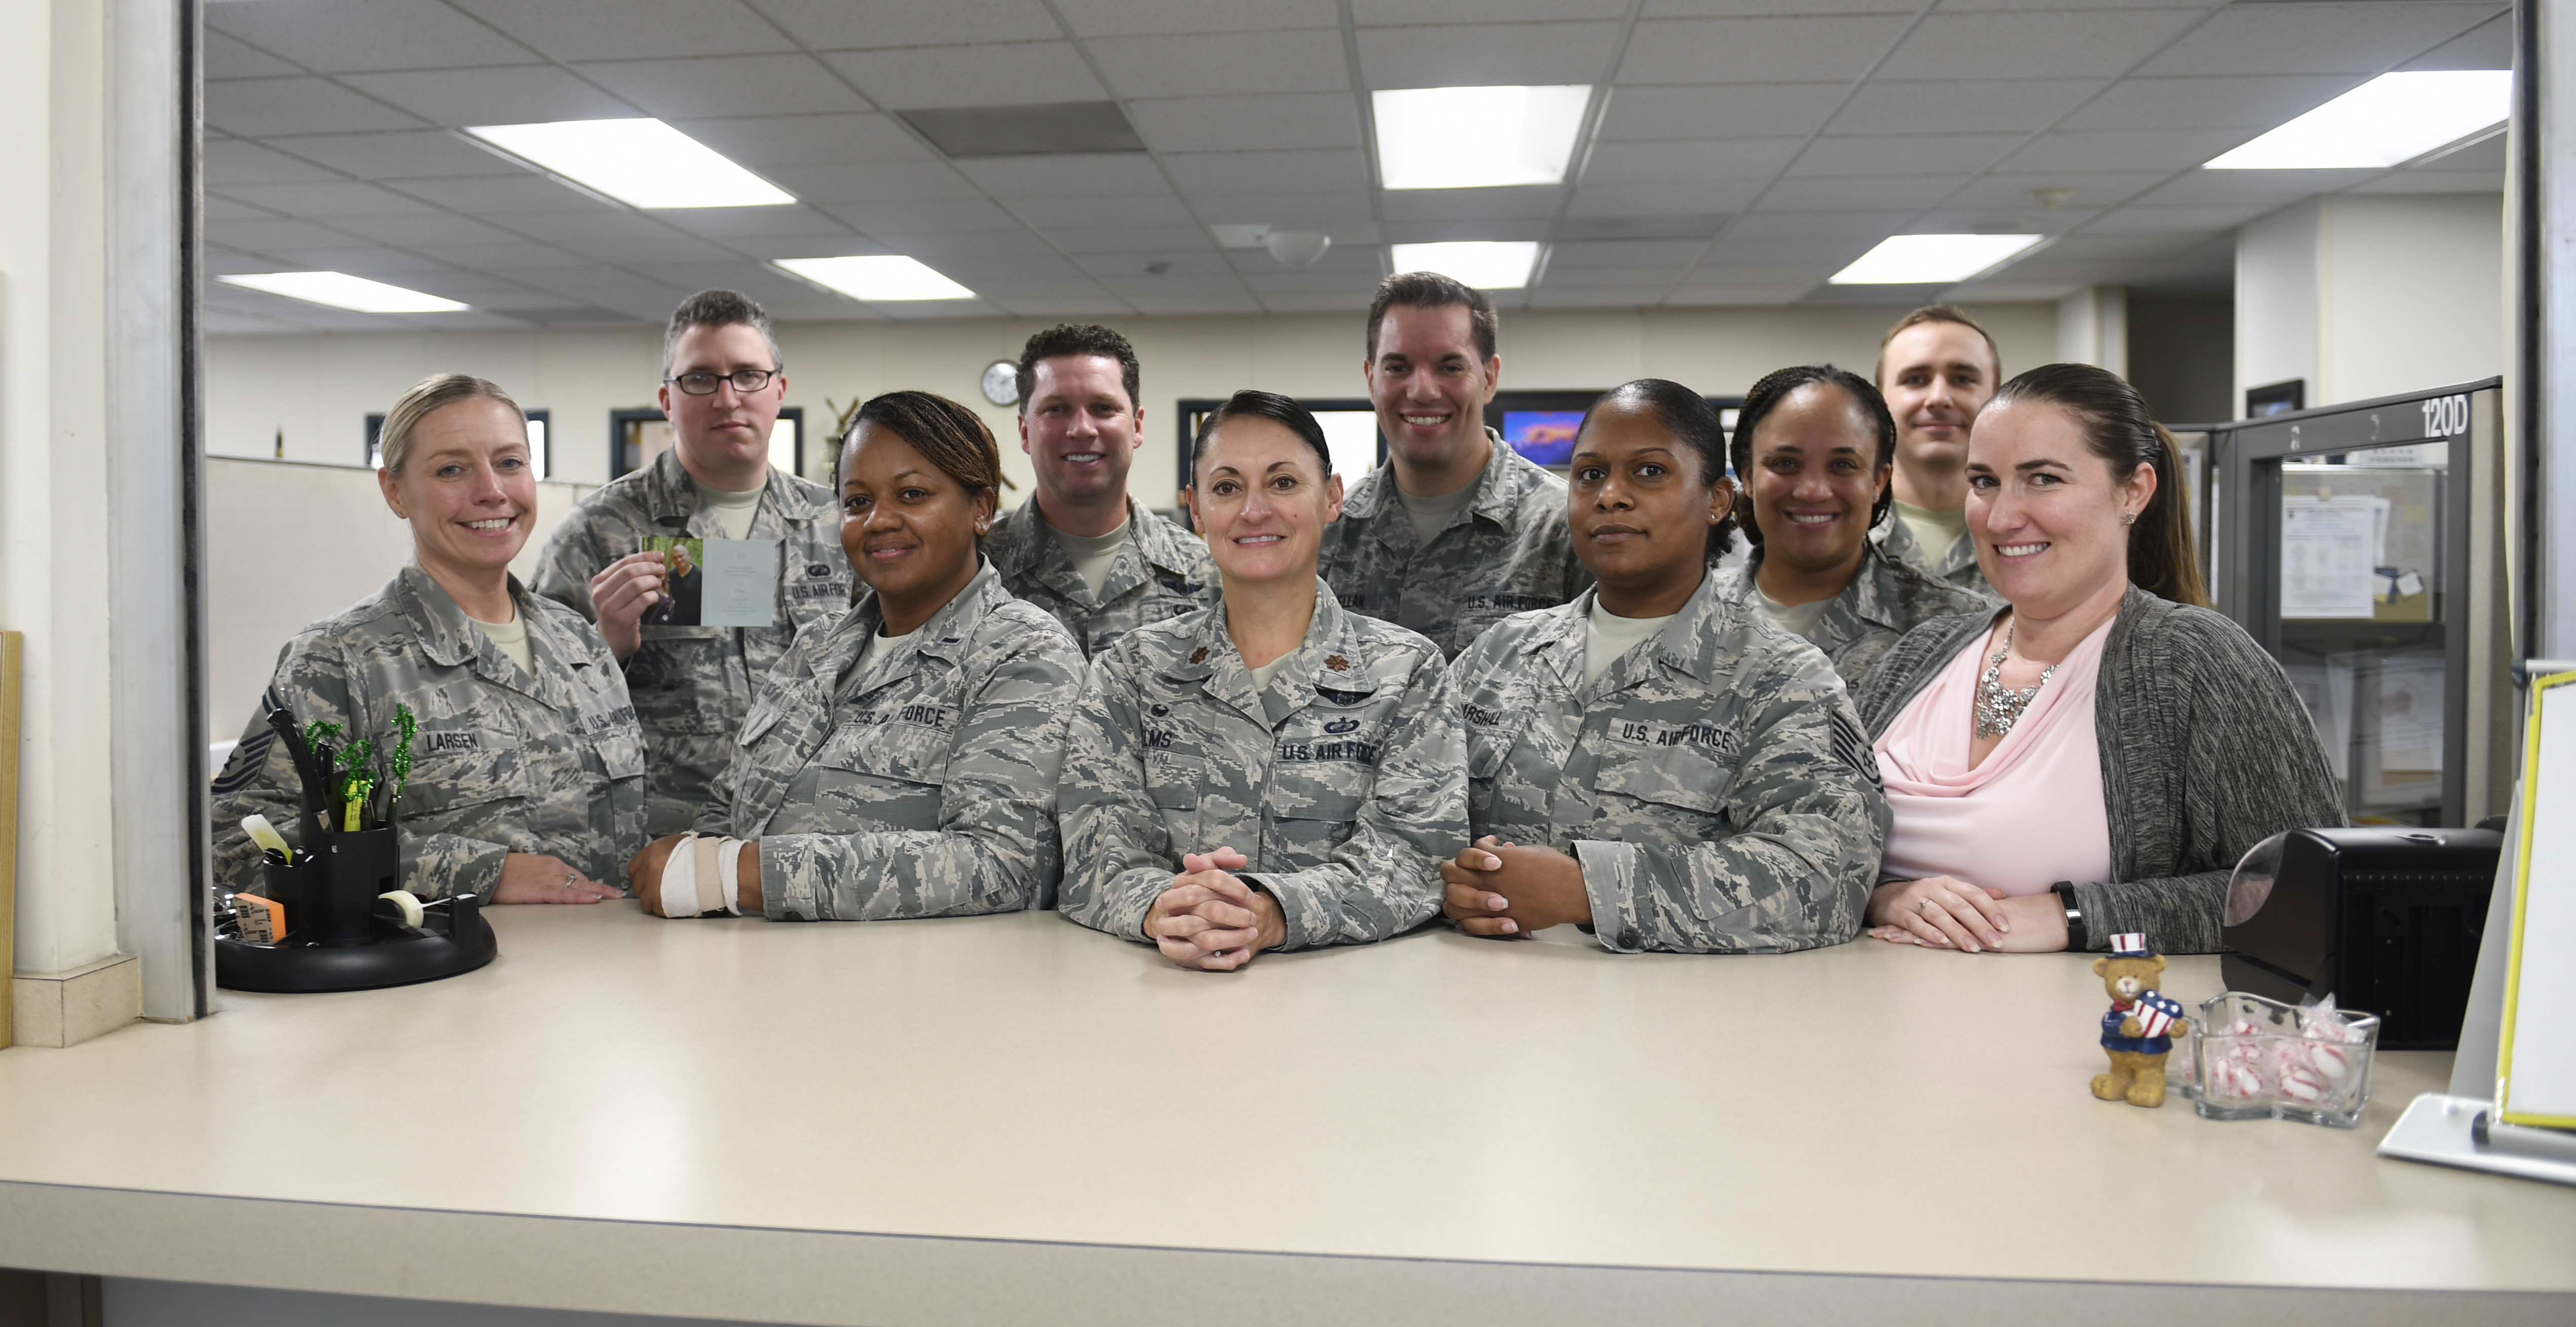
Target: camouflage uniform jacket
[[503, 762], [1958, 566], [1714, 782], [1506, 551], [1345, 806], [1161, 572], [921, 785], [693, 684], [1886, 599]]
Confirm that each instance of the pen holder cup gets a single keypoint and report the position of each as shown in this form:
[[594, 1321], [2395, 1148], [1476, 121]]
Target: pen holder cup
[[2259, 1059], [341, 938]]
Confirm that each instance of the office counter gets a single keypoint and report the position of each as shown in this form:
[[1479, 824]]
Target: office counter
[[1015, 1120]]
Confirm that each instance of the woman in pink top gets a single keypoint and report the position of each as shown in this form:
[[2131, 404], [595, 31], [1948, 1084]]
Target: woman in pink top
[[2094, 758]]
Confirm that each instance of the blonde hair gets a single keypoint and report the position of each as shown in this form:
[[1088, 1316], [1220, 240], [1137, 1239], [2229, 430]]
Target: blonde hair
[[430, 394]]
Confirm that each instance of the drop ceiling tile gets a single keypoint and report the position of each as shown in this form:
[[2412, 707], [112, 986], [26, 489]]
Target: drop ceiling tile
[[709, 86], [910, 181], [833, 25], [2277, 188], [372, 261], [1756, 8], [1834, 48], [808, 140], [1431, 232], [1346, 215], [2361, 39], [1282, 120], [1903, 154], [1719, 110], [643, 254], [1485, 53], [226, 322], [1129, 18], [2436, 182], [1979, 106], [227, 58], [1332, 170], [1883, 191], [2096, 43], [1805, 272], [219, 208], [1072, 176], [1354, 259], [335, 198], [2249, 105], [1107, 210], [937, 247], [1221, 64], [1614, 254], [335, 37], [631, 29], [1191, 305], [524, 193], [256, 107], [580, 228], [1394, 13], [508, 256], [881, 215], [1670, 198], [1318, 301], [516, 94], [2487, 46], [842, 244], [2010, 190], [1692, 159], [2030, 219], [748, 222], [752, 279], [266, 236], [1550, 295], [246, 163], [2173, 220], [403, 154], [2110, 244], [999, 74], [1285, 281], [1817, 228], [1749, 296], [1159, 241], [2123, 150], [441, 228], [1468, 205]]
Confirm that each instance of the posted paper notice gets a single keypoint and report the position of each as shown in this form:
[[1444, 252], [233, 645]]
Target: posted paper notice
[[2329, 549]]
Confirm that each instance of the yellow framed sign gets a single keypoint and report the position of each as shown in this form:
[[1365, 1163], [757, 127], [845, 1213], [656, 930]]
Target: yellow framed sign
[[2536, 1051]]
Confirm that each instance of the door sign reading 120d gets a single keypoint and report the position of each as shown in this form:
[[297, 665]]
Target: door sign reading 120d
[[2446, 416]]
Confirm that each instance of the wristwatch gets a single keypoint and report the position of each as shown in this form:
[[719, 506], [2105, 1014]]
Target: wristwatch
[[2076, 940]]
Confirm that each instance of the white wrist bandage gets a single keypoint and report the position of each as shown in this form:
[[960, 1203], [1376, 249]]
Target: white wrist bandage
[[698, 877]]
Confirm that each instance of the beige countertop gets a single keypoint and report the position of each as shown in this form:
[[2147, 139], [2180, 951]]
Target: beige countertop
[[1022, 1084]]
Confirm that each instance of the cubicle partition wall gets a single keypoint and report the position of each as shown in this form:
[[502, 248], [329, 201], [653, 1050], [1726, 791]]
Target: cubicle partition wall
[[2364, 545]]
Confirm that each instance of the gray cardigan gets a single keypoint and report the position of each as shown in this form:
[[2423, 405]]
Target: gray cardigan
[[2206, 751]]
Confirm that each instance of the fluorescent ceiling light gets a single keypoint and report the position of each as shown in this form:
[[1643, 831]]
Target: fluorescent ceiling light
[[1484, 264], [343, 291], [2391, 119], [1477, 138], [1922, 260], [879, 278], [641, 163]]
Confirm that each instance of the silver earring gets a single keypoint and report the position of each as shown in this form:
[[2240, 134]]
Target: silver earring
[[2128, 518]]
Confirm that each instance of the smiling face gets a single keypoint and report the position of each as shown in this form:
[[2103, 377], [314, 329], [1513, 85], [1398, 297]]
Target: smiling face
[[1639, 500], [1815, 476], [906, 525], [1078, 427], [1936, 377], [2045, 511], [467, 488], [1264, 498], [728, 431], [1429, 384]]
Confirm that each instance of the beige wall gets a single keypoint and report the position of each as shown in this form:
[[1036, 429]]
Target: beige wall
[[319, 389], [2368, 295]]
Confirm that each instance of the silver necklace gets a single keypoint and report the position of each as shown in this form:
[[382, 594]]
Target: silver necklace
[[1999, 706]]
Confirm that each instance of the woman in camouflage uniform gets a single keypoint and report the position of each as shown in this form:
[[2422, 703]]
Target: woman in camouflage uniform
[[1815, 447], [1269, 772], [900, 761], [528, 781], [1652, 761]]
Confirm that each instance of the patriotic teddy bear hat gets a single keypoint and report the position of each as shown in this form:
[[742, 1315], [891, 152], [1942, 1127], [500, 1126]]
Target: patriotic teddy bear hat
[[2130, 944]]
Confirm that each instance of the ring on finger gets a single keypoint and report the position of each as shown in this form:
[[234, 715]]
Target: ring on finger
[[1924, 903]]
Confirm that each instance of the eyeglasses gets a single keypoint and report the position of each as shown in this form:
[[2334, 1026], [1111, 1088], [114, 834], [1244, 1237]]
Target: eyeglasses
[[745, 381]]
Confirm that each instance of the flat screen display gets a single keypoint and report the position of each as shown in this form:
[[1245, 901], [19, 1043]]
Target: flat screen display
[[1546, 437]]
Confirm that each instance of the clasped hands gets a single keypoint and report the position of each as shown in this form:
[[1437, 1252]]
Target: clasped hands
[[1209, 921], [1499, 889], [1940, 912]]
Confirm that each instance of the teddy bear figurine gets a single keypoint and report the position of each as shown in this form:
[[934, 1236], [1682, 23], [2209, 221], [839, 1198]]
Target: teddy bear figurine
[[2139, 1030]]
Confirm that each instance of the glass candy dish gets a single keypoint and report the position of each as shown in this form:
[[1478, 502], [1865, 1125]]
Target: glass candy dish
[[2253, 1058]]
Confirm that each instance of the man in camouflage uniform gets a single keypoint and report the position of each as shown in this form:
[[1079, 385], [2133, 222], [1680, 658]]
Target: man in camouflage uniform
[[1886, 599], [723, 383], [1456, 531], [1342, 782], [1937, 368], [1080, 548], [918, 783], [503, 762], [1713, 786]]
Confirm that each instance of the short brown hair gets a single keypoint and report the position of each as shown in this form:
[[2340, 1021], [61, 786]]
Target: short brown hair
[[1065, 339], [424, 398], [1430, 290], [720, 308], [947, 435], [1939, 313]]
